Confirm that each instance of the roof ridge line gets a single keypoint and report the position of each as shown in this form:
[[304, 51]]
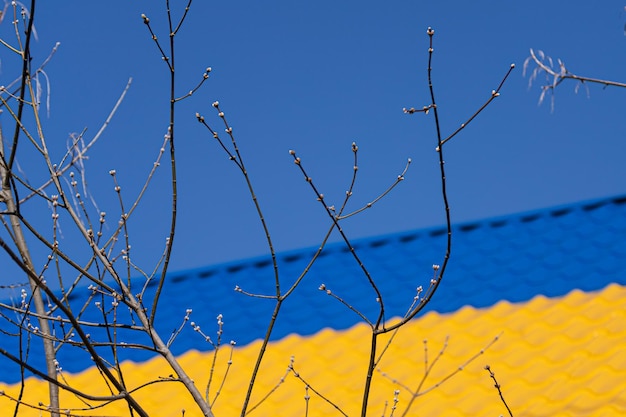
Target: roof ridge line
[[464, 226]]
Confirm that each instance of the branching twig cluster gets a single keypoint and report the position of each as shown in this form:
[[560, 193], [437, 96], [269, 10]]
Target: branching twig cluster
[[123, 307], [120, 312], [556, 73], [335, 212], [429, 365]]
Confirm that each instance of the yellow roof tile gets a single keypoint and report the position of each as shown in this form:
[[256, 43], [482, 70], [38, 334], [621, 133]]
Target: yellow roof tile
[[563, 356]]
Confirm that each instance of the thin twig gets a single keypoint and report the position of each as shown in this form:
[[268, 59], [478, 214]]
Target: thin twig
[[280, 382], [554, 77], [346, 304], [81, 153], [494, 93], [398, 180], [318, 393], [498, 387], [329, 212]]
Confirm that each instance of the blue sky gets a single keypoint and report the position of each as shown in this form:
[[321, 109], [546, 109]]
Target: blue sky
[[314, 77]]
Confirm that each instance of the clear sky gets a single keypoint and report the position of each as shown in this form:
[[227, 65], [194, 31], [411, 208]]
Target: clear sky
[[314, 77]]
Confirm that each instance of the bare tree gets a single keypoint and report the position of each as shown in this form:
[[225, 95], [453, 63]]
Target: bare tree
[[127, 313]]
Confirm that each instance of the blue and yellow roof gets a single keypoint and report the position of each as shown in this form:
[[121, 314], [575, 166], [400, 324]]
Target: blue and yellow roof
[[538, 296]]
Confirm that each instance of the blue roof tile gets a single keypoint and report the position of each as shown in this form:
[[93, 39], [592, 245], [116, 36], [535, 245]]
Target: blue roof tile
[[512, 258]]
